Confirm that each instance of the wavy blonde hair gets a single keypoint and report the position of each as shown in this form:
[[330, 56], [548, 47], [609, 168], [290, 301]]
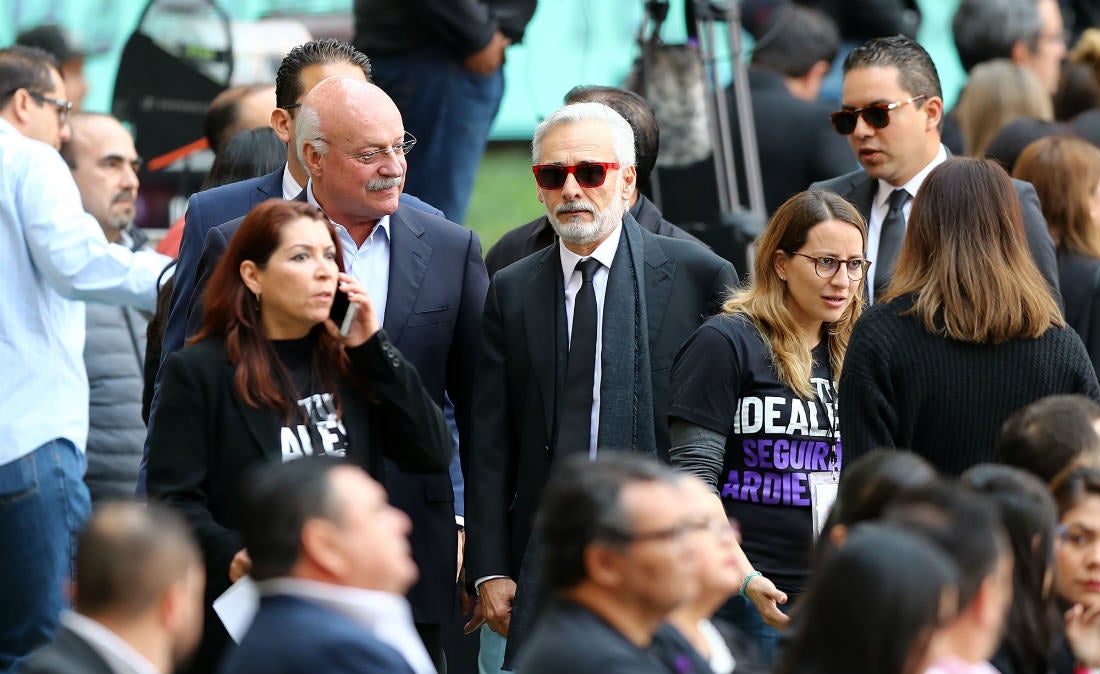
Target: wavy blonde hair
[[764, 301]]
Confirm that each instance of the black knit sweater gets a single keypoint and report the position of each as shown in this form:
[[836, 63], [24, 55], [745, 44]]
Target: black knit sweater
[[904, 387]]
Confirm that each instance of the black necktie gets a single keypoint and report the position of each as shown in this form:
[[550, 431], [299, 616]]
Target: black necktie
[[575, 420], [889, 242]]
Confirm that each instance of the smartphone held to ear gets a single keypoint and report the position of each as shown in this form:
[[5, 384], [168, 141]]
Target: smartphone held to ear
[[343, 312]]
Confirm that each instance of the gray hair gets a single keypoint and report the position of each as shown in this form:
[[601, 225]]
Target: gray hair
[[622, 136], [307, 129], [987, 29]]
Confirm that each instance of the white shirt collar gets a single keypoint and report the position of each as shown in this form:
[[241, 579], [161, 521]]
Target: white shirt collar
[[885, 189], [121, 656], [605, 253], [291, 188], [383, 222], [385, 615]]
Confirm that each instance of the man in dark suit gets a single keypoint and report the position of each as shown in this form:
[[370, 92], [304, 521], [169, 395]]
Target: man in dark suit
[[426, 279], [616, 559], [892, 113], [331, 560], [794, 140], [547, 385], [137, 598], [538, 234]]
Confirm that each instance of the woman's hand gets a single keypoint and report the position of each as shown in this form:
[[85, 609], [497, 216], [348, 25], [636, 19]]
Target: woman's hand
[[365, 324], [1083, 634], [240, 566], [766, 597]]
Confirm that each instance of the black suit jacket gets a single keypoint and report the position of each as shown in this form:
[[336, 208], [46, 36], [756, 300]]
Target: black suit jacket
[[859, 188], [68, 654], [205, 440], [1080, 276], [433, 315], [514, 402], [520, 242]]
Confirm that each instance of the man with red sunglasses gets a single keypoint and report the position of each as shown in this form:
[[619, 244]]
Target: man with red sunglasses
[[577, 343], [892, 114]]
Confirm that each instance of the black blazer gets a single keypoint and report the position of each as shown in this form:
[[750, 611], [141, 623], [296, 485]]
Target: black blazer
[[433, 315], [514, 401], [68, 654], [205, 440], [859, 188], [524, 240], [1080, 276]]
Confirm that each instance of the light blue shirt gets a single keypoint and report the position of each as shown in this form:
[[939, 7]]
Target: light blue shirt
[[53, 256], [369, 263]]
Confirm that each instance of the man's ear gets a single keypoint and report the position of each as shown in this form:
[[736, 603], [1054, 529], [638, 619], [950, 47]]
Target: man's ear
[[280, 121], [630, 178], [320, 545], [1020, 54], [933, 108], [603, 565]]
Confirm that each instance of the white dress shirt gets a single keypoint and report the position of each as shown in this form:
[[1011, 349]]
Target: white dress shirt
[[369, 263], [605, 253], [119, 655], [53, 257], [881, 205], [291, 188], [385, 615]]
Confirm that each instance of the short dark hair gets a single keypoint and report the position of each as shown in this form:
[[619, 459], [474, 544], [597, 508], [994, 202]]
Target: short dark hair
[[1028, 515], [637, 113], [582, 504], [794, 39], [875, 480], [25, 68], [249, 154], [1076, 487], [220, 123], [1050, 435], [277, 501], [964, 524], [288, 83], [987, 29], [916, 72], [1009, 143], [128, 555]]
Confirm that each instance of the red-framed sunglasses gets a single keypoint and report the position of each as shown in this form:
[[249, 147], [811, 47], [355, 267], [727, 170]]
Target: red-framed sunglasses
[[588, 174]]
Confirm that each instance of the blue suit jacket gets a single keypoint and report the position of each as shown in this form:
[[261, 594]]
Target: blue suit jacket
[[433, 316], [295, 636]]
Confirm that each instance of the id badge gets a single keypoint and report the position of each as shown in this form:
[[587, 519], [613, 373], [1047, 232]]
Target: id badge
[[823, 488]]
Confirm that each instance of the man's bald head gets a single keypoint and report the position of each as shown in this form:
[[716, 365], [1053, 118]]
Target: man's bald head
[[337, 108]]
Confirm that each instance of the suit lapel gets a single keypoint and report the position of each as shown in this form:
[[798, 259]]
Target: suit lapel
[[271, 188], [862, 195], [659, 275], [540, 305], [264, 426], [409, 257]]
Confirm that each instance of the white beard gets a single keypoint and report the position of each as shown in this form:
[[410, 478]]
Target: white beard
[[577, 231]]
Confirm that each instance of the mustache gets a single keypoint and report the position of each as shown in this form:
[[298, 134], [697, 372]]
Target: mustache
[[379, 184], [124, 195], [575, 206]]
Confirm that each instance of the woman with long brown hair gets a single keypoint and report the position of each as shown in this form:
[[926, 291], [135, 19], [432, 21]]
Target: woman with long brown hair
[[1066, 174], [753, 397], [967, 333], [269, 377]]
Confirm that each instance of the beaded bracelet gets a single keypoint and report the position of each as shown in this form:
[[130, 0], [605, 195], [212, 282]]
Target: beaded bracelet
[[745, 583]]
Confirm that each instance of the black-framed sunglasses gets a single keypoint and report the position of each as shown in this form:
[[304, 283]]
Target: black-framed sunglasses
[[588, 174], [827, 267], [876, 114]]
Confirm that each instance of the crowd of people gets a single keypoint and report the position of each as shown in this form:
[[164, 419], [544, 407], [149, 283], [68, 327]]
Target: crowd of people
[[875, 450]]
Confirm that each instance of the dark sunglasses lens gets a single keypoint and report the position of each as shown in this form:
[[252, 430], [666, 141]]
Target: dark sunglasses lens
[[550, 177], [844, 121], [877, 116], [590, 175]]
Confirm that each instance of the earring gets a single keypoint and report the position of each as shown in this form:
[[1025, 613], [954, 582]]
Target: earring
[[256, 301], [783, 279]]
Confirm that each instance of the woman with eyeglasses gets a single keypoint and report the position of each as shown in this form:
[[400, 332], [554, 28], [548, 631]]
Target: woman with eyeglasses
[[276, 375], [1077, 562], [967, 333], [754, 401]]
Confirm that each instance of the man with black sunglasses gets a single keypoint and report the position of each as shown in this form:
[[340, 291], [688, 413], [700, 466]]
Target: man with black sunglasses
[[577, 344], [892, 114]]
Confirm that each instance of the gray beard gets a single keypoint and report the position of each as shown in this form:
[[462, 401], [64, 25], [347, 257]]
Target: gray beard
[[578, 232]]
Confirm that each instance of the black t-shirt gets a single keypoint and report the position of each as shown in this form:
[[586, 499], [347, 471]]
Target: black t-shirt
[[724, 381], [320, 430]]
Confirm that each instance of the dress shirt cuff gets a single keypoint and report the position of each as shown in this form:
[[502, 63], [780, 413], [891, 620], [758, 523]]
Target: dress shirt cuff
[[460, 521], [479, 581]]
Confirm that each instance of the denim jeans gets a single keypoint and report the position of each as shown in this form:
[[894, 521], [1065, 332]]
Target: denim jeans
[[43, 507], [450, 110], [742, 614]]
